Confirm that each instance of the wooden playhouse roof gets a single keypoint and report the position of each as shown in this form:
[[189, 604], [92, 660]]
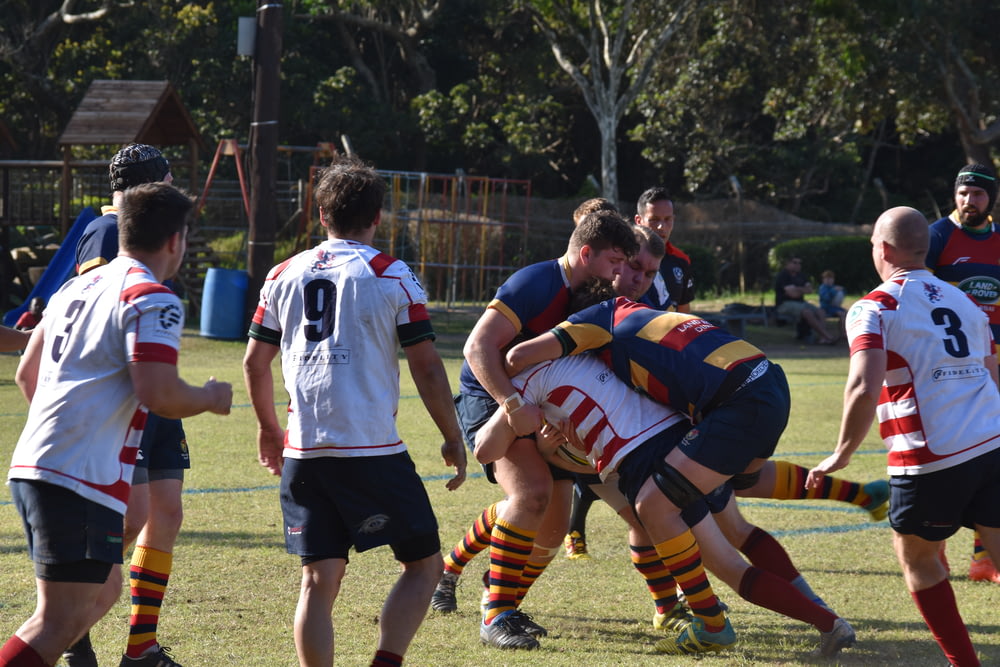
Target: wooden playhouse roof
[[121, 112]]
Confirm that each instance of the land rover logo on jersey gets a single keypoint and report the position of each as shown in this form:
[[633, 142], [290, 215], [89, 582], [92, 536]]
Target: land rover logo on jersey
[[983, 289], [170, 316]]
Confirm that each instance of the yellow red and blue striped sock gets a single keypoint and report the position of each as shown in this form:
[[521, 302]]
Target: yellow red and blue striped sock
[[683, 558], [790, 484], [978, 550], [148, 574], [658, 579], [510, 548], [534, 568], [476, 539]]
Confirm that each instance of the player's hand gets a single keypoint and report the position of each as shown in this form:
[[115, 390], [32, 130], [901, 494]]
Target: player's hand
[[454, 454], [525, 420], [568, 430], [270, 448], [832, 463], [550, 438], [221, 394]]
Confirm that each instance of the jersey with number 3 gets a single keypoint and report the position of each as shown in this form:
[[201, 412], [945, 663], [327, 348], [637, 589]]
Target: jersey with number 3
[[85, 422], [339, 312], [939, 406]]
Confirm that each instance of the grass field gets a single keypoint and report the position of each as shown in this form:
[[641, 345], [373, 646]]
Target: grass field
[[233, 590]]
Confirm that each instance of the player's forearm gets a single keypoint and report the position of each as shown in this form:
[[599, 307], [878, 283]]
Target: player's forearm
[[493, 439], [541, 348], [260, 388], [179, 399], [487, 364], [26, 376], [860, 401], [12, 340]]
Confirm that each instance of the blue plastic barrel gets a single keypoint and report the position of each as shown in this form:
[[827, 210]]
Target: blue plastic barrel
[[222, 304]]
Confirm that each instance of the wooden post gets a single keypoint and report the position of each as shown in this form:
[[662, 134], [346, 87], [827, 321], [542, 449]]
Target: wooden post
[[264, 149]]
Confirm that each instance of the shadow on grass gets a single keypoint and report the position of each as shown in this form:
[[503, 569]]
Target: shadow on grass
[[237, 539]]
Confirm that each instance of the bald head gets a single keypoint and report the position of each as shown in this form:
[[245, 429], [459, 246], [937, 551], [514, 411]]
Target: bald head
[[903, 235]]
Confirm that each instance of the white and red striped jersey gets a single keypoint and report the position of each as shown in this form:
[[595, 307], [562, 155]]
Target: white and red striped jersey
[[610, 418], [939, 406], [339, 313], [85, 422]]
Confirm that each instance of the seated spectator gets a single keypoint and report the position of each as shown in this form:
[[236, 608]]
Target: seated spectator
[[30, 318], [790, 289], [831, 298]]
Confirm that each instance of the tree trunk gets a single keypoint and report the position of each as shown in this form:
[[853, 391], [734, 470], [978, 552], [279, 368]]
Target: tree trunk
[[608, 125], [974, 151]]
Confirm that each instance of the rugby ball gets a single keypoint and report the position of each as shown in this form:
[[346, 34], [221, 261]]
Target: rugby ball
[[571, 454]]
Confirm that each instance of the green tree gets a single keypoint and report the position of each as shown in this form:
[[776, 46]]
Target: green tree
[[609, 55], [31, 30]]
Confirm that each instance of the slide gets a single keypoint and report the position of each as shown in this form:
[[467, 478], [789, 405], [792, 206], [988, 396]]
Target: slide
[[59, 270]]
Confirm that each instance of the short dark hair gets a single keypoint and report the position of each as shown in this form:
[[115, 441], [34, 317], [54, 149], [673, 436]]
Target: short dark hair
[[149, 214], [647, 237], [595, 290], [655, 193], [350, 194], [591, 205], [602, 230]]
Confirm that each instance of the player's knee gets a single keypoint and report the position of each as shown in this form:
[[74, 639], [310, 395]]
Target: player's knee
[[427, 569], [675, 486], [533, 500]]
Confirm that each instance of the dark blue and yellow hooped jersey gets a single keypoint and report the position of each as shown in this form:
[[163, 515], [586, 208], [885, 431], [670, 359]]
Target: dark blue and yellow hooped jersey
[[678, 359], [534, 299]]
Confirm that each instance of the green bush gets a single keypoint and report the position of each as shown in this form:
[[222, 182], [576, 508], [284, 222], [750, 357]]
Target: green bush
[[849, 257], [704, 267]]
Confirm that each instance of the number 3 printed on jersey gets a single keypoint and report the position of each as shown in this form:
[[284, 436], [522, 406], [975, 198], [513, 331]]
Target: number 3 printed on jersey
[[956, 344], [320, 306], [60, 341]]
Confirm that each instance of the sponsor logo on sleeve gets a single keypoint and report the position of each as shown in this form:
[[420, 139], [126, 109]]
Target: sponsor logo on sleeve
[[170, 317]]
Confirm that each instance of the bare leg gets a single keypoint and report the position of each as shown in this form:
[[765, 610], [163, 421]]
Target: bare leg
[[313, 622], [64, 612], [407, 604]]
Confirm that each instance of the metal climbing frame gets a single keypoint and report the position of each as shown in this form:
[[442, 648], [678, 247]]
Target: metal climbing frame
[[463, 235]]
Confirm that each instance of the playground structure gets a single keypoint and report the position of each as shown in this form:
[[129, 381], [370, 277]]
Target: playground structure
[[462, 235]]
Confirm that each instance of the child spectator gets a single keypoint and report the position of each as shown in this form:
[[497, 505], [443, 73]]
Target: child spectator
[[30, 318], [831, 296]]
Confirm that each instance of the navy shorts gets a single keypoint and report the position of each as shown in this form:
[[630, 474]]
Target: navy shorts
[[70, 538], [640, 464], [936, 504], [473, 412], [331, 504], [163, 451], [744, 427]]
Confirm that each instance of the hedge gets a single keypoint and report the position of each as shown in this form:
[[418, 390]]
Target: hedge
[[849, 257]]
